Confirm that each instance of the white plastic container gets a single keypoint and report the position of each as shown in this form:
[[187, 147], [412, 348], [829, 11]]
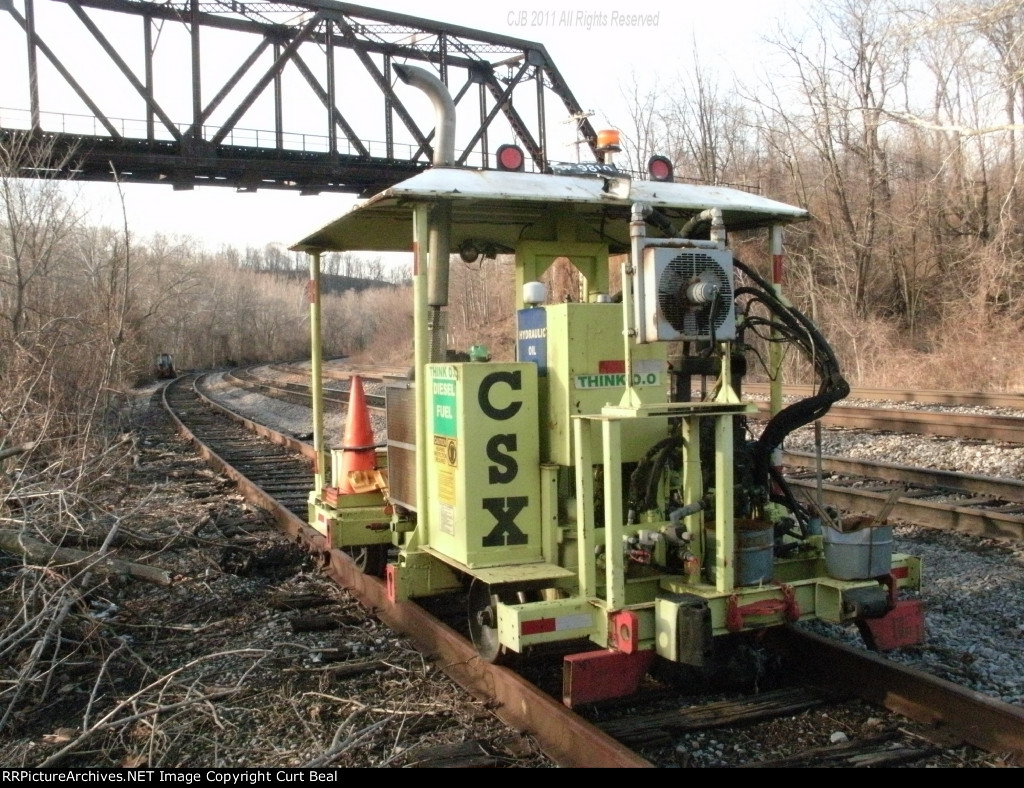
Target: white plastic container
[[860, 554]]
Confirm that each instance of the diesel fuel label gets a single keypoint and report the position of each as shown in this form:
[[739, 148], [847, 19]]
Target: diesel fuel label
[[443, 392]]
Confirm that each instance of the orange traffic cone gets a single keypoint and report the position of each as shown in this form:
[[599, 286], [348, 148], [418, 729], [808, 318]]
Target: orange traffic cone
[[358, 452]]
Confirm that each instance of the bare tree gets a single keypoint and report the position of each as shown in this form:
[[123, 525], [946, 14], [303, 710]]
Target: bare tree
[[38, 218], [645, 135], [841, 82], [705, 125]]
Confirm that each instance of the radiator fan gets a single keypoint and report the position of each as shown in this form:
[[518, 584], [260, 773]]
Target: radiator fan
[[686, 294]]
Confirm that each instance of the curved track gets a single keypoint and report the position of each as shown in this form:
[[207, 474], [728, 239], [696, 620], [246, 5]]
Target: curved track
[[275, 472]]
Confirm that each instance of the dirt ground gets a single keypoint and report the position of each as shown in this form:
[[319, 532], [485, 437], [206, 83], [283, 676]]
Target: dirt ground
[[227, 648]]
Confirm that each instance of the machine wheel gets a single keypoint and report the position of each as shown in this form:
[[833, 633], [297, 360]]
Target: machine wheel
[[371, 560], [482, 615]]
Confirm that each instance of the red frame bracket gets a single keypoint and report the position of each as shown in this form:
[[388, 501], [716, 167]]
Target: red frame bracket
[[391, 583], [600, 675], [735, 612], [902, 626], [624, 631]]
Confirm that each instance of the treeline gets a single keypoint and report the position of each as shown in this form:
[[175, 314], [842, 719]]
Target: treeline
[[84, 311], [898, 124], [341, 270]]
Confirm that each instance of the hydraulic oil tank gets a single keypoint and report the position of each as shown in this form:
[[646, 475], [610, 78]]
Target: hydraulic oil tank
[[579, 353], [483, 468]]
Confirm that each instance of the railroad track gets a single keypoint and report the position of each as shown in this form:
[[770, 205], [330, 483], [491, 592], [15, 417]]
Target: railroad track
[[298, 393], [226, 441], [274, 471], [973, 426], [924, 396], [917, 421], [987, 427], [977, 505]]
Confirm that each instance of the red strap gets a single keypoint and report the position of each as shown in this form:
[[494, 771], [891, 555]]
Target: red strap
[[735, 612]]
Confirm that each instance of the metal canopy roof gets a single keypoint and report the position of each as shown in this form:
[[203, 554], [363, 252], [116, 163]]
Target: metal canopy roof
[[504, 208]]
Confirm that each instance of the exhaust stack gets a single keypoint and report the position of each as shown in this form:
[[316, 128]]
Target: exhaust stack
[[439, 233], [444, 109]]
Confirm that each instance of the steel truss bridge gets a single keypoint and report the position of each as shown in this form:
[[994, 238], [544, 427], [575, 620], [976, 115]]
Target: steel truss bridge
[[261, 95]]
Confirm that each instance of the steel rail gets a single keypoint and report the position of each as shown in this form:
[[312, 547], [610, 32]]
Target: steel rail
[[569, 740], [951, 425], [993, 487], [956, 715], [925, 396], [297, 392], [984, 523]]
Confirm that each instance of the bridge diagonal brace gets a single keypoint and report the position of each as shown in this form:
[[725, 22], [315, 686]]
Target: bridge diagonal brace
[[233, 80], [371, 68], [300, 38], [515, 120], [501, 103], [116, 59], [336, 117], [560, 89], [52, 57]]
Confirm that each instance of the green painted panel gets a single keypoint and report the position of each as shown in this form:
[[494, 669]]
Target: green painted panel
[[444, 400]]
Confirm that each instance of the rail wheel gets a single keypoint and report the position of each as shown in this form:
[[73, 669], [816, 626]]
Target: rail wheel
[[370, 560], [482, 615]]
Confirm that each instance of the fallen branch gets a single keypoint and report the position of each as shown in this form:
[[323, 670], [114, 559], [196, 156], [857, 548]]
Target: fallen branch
[[136, 541], [13, 451], [47, 554], [35, 656], [151, 712], [339, 746], [110, 719]]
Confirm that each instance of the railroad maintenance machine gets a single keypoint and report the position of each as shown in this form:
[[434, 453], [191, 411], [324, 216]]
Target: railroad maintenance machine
[[583, 497], [163, 367]]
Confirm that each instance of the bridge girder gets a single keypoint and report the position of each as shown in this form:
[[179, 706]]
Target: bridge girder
[[259, 94]]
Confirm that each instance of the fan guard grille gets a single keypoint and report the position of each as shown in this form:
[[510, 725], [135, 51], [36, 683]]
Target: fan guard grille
[[694, 320]]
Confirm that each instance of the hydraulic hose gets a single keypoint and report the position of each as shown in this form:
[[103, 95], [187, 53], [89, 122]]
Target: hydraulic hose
[[833, 386]]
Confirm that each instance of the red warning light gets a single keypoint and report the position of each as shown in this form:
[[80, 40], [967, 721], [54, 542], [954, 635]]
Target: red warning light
[[659, 168], [511, 158]]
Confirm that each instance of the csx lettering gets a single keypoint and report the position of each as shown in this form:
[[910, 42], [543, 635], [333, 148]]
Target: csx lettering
[[506, 467], [514, 379], [503, 468], [505, 511]]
